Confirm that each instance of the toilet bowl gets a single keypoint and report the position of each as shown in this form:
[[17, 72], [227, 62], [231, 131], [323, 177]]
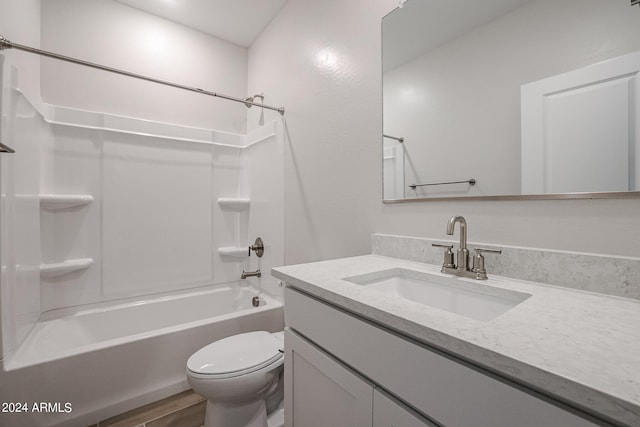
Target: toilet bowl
[[241, 378]]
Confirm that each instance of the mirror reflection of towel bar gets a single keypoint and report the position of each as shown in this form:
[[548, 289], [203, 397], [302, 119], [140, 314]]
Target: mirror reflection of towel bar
[[6, 149], [469, 181], [397, 138]]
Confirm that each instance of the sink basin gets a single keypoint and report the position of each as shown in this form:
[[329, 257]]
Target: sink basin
[[473, 300]]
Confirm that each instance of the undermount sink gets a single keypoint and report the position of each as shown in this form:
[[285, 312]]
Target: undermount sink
[[474, 300]]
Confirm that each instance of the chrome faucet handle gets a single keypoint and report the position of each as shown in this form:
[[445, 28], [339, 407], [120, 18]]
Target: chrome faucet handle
[[448, 255], [487, 250], [258, 247], [478, 261]]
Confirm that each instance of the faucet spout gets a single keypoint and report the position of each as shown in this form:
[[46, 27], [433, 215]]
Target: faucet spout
[[463, 229], [463, 252]]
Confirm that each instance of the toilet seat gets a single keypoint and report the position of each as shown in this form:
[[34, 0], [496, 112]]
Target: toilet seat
[[236, 355]]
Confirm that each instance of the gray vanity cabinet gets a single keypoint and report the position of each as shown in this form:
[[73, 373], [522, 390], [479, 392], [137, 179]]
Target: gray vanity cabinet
[[322, 392], [340, 367]]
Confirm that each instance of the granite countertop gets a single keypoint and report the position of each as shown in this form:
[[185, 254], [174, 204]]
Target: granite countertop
[[579, 347]]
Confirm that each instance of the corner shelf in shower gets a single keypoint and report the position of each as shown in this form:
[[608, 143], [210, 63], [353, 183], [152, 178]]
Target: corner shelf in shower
[[58, 201], [234, 204], [234, 253], [65, 267]]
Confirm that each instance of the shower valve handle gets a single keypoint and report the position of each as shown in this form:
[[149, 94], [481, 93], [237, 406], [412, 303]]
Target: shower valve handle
[[258, 247]]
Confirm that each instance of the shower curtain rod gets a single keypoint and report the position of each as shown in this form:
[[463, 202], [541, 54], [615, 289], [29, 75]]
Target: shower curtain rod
[[6, 44]]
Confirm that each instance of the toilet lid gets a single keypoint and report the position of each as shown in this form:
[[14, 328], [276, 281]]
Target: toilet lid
[[237, 353]]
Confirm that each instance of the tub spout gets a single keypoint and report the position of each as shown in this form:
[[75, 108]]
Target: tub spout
[[246, 274]]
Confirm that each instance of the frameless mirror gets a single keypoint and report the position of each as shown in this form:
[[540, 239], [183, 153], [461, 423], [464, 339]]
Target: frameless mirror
[[526, 98]]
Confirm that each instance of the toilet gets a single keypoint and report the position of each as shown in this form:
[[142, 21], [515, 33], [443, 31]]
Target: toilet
[[241, 378]]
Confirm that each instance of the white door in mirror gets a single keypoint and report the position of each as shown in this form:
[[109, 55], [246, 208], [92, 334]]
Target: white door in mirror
[[578, 129]]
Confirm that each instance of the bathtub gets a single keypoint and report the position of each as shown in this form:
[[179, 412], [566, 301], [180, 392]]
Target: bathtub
[[93, 362]]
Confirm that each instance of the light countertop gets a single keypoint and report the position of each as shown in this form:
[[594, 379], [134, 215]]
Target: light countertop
[[579, 347]]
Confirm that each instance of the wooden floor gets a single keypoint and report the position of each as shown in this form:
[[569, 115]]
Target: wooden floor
[[184, 409]]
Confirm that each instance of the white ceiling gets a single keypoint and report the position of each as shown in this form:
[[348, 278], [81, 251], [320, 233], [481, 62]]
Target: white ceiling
[[238, 21]]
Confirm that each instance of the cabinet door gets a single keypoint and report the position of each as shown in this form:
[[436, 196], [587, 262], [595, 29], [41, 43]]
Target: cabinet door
[[320, 392], [387, 412]]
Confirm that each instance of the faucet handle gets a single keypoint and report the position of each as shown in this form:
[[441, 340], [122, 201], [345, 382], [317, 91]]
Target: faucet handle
[[258, 247], [487, 250], [478, 261], [448, 255]]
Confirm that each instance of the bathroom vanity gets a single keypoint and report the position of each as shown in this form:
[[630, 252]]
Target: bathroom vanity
[[378, 341]]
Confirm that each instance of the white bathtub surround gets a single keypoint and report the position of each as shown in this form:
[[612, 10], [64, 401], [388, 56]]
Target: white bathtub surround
[[102, 176], [100, 209], [20, 180], [109, 358], [579, 347], [612, 275]]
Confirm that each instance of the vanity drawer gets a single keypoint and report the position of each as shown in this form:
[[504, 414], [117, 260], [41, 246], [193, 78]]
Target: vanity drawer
[[443, 389]]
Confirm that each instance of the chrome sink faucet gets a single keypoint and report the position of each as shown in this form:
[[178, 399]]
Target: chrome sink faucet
[[477, 269], [463, 252]]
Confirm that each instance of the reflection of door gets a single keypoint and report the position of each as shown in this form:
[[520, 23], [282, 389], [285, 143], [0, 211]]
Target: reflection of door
[[579, 129]]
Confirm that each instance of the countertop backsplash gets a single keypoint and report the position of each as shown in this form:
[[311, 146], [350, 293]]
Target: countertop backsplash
[[611, 275]]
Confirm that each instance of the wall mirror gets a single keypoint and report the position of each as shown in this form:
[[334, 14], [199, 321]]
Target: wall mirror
[[511, 99]]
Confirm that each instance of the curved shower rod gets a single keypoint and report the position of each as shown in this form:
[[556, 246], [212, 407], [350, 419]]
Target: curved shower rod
[[6, 44]]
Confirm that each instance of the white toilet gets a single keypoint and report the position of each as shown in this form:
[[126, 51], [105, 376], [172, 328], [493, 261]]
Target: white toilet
[[241, 378]]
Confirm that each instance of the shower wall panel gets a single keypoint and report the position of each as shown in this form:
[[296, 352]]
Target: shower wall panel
[[24, 130], [156, 227], [74, 168], [229, 227], [154, 224], [265, 179]]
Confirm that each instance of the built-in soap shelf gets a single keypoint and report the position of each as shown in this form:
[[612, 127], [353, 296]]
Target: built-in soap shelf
[[234, 204], [60, 201], [65, 267], [233, 253], [56, 202]]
